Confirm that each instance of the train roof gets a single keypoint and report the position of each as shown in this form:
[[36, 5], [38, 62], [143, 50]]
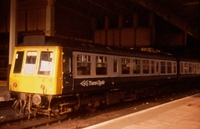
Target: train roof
[[187, 59], [74, 45]]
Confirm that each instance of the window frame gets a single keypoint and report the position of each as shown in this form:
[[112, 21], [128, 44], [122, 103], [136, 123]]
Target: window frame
[[85, 61], [43, 68], [125, 65], [30, 67]]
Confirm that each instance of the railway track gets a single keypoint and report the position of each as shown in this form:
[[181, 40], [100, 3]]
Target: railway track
[[82, 119]]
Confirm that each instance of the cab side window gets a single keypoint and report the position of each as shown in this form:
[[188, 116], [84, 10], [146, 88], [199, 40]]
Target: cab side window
[[18, 62]]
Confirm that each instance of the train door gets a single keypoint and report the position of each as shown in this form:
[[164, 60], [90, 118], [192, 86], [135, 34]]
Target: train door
[[67, 71], [157, 67], [114, 62]]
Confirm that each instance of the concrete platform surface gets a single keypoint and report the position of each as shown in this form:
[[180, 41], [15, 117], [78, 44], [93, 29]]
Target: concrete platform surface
[[3, 90], [179, 114], [3, 83]]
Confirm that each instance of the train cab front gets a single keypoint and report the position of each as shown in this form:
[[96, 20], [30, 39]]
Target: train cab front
[[35, 76]]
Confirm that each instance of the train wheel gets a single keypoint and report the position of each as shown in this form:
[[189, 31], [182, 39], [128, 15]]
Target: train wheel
[[57, 111], [91, 107]]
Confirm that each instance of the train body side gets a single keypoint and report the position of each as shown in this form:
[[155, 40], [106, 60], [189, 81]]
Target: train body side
[[70, 70], [97, 72], [58, 76]]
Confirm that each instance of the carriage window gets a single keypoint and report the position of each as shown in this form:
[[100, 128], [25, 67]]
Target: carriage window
[[145, 66], [175, 67], [181, 68], [198, 68], [18, 62], [125, 62], [136, 66], [101, 65], [115, 63], [163, 67], [45, 64], [29, 66], [169, 67], [152, 67], [195, 68], [157, 67], [191, 68], [186, 67], [83, 64]]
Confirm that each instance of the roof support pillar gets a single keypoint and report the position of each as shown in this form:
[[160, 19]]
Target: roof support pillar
[[50, 18], [13, 29], [166, 14]]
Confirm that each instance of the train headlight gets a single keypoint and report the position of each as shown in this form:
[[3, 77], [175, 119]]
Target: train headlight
[[36, 99], [15, 84], [42, 87]]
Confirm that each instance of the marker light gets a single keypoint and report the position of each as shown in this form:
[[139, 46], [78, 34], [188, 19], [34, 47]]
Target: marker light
[[15, 84], [42, 87]]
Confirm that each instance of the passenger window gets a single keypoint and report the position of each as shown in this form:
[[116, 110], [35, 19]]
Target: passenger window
[[169, 67], [191, 68], [181, 68], [175, 67], [186, 67], [18, 62], [115, 65], [152, 67], [195, 68], [157, 67], [198, 68], [125, 62], [29, 66], [136, 66], [145, 66], [163, 67], [45, 64], [101, 65], [83, 64]]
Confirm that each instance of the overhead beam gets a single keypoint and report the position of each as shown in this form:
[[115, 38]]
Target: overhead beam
[[91, 11], [191, 3], [121, 6], [102, 6], [170, 16]]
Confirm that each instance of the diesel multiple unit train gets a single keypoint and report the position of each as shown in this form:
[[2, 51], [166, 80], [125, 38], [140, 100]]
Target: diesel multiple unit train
[[56, 76]]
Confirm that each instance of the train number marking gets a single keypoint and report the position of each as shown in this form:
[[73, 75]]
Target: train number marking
[[92, 83]]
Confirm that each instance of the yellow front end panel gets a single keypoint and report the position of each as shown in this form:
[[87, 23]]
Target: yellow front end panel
[[37, 83]]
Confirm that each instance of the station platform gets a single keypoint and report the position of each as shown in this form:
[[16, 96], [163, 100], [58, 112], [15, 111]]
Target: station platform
[[179, 114], [3, 89], [3, 83]]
